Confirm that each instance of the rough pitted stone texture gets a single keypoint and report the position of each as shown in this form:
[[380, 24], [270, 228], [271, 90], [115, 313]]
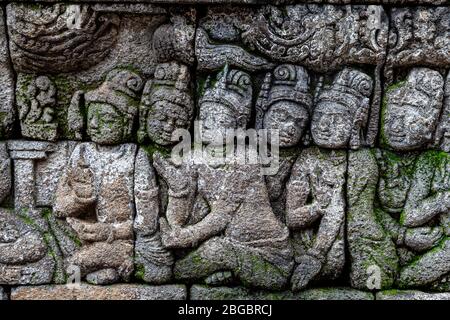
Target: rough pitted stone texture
[[238, 293], [410, 295], [7, 111], [91, 292], [342, 177]]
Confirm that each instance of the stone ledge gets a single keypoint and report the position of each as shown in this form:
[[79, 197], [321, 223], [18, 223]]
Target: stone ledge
[[252, 2], [411, 295], [91, 292], [199, 292]]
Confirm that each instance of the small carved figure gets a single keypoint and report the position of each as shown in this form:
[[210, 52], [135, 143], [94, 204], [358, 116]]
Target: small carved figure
[[37, 111]]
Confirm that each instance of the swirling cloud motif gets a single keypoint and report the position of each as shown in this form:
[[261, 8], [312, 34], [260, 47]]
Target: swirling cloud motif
[[59, 38]]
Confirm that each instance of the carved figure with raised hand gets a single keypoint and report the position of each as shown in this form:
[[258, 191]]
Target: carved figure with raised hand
[[315, 202]]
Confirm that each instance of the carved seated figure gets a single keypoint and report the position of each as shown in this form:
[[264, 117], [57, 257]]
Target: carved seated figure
[[106, 183], [284, 104], [24, 257], [315, 201], [413, 191], [237, 235]]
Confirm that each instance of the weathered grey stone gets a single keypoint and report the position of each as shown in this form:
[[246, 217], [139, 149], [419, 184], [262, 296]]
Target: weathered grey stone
[[410, 295], [443, 131], [7, 111], [285, 104], [91, 292], [87, 42], [111, 109], [25, 257], [412, 110], [412, 194], [30, 254], [5, 172], [238, 235], [167, 103], [319, 253], [374, 261], [37, 109], [97, 199], [239, 293], [342, 111], [419, 36]]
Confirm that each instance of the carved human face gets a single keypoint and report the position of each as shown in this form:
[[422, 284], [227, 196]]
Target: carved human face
[[289, 119], [163, 119], [216, 120], [331, 125], [407, 126], [106, 125]]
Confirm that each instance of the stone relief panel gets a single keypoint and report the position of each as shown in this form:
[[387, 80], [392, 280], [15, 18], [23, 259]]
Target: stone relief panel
[[398, 195], [62, 51], [322, 38], [358, 95]]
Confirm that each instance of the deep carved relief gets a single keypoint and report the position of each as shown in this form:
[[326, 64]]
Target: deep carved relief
[[355, 98], [412, 192], [236, 236]]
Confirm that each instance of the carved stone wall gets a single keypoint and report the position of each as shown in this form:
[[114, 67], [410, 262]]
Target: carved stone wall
[[355, 95]]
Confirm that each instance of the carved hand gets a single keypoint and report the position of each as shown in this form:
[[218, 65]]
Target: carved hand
[[82, 179], [177, 178], [91, 232], [173, 237], [307, 269], [423, 238]]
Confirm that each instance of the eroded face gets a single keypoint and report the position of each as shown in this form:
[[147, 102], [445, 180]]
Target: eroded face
[[331, 125], [407, 126], [163, 119], [216, 120], [105, 124], [289, 119]]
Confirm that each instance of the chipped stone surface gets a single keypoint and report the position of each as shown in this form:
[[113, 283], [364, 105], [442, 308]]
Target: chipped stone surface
[[411, 295], [7, 111], [114, 118], [91, 292], [238, 293]]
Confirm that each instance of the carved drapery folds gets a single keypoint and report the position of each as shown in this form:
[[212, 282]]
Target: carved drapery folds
[[356, 102]]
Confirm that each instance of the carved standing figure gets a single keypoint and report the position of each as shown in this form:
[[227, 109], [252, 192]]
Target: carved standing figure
[[284, 104], [315, 202]]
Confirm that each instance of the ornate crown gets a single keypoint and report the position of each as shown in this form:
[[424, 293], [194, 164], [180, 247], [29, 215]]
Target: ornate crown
[[351, 88], [233, 89], [290, 83], [171, 83], [120, 89]]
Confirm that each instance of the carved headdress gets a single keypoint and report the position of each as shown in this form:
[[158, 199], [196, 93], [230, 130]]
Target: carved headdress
[[120, 89], [427, 86], [288, 83], [351, 90], [233, 89], [171, 83]]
